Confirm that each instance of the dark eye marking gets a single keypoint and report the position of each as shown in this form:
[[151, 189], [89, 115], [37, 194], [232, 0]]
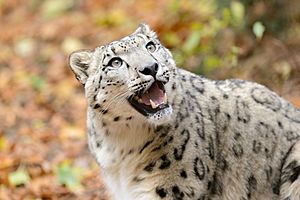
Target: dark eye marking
[[151, 47], [115, 62]]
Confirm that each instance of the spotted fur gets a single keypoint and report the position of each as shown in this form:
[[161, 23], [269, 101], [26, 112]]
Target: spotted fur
[[229, 140]]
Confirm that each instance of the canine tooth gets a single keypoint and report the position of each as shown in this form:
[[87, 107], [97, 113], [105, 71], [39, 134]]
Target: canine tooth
[[153, 105], [165, 98], [140, 100], [136, 97]]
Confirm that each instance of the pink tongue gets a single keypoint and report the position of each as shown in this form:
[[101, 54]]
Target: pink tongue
[[155, 94]]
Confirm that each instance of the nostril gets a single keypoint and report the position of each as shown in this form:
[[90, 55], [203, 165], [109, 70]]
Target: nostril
[[146, 71], [150, 70], [155, 67]]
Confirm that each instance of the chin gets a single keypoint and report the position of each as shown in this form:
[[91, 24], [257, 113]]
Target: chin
[[161, 117]]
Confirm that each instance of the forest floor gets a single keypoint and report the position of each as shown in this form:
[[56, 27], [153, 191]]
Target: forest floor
[[43, 150]]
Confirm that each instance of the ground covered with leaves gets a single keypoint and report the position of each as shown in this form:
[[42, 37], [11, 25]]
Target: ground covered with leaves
[[43, 150]]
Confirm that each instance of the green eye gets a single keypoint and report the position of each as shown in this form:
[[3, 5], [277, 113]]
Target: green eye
[[115, 62], [150, 46]]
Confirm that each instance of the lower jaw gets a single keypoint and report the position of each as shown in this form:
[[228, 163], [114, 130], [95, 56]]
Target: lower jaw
[[146, 111]]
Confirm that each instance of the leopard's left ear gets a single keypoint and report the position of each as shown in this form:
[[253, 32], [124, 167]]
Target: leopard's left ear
[[79, 62], [146, 30]]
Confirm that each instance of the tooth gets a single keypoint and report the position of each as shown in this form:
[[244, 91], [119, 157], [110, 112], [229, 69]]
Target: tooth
[[153, 105], [136, 97], [165, 98], [140, 100]]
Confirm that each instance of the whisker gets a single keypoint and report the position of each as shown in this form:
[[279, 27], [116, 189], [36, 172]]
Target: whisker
[[116, 98]]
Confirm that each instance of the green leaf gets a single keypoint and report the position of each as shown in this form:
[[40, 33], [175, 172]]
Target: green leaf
[[54, 8], [210, 63], [171, 39], [238, 12], [258, 29], [69, 176], [18, 177], [192, 41], [37, 83]]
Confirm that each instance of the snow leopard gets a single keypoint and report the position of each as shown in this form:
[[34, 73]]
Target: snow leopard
[[160, 132]]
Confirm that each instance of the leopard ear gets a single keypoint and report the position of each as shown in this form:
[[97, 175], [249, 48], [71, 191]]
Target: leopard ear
[[146, 30], [79, 62]]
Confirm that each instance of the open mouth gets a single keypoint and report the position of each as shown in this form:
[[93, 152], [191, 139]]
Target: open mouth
[[151, 101]]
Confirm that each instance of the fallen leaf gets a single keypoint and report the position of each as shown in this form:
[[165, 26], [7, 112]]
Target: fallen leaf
[[69, 176], [19, 177]]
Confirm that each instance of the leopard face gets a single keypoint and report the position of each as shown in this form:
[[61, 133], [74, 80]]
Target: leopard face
[[127, 76]]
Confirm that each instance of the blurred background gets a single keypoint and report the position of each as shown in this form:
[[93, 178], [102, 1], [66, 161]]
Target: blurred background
[[43, 151]]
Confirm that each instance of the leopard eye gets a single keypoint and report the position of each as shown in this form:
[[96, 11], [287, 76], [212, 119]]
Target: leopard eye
[[150, 46], [115, 62]]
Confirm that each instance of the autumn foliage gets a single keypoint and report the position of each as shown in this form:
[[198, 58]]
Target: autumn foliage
[[43, 150]]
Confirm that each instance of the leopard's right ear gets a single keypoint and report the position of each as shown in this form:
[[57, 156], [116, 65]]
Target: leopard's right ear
[[79, 62]]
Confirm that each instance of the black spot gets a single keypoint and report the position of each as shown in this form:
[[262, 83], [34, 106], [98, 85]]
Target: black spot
[[202, 197], [197, 84], [165, 164], [149, 167], [129, 118], [98, 144], [146, 145], [238, 150], [104, 111], [162, 130], [178, 153], [269, 172], [200, 133], [251, 186], [177, 194], [174, 86], [256, 146], [295, 175], [225, 96], [130, 151], [183, 173], [211, 150], [116, 118], [161, 192], [199, 168], [156, 148], [216, 186], [96, 106], [280, 124], [242, 110], [237, 135], [137, 179], [276, 187]]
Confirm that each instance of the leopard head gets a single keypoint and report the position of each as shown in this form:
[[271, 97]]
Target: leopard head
[[127, 76]]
